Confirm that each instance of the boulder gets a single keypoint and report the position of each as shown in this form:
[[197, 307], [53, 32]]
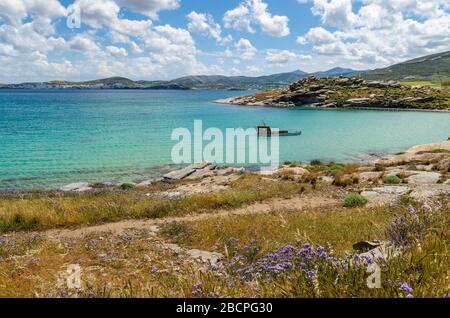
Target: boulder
[[430, 147]]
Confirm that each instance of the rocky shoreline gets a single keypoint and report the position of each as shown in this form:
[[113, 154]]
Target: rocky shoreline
[[422, 171], [349, 93]]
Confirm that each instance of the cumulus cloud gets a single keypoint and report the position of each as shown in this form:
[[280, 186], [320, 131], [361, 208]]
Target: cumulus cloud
[[83, 43], [204, 24], [280, 57], [117, 51], [15, 11], [380, 32], [245, 50], [255, 12], [336, 13], [150, 8]]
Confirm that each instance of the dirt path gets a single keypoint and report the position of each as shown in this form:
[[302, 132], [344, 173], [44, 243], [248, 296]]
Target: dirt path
[[117, 228]]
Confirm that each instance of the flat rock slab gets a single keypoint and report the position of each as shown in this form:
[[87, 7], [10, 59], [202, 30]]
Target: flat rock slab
[[76, 187], [199, 166], [179, 174], [424, 178], [200, 174], [392, 190]]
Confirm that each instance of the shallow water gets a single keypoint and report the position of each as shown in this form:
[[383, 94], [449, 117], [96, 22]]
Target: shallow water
[[51, 138]]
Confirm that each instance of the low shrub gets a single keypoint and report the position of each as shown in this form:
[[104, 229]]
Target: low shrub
[[392, 180], [128, 186], [354, 200], [335, 168]]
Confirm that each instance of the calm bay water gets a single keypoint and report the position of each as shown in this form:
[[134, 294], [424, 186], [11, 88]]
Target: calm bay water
[[51, 138]]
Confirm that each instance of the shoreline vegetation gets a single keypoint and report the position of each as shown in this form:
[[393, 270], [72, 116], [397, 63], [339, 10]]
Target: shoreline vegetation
[[349, 93], [303, 230]]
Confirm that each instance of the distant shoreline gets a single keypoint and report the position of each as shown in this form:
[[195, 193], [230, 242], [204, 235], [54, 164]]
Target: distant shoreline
[[225, 102]]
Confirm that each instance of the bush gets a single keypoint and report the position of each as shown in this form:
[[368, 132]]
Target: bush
[[128, 186], [354, 200], [316, 162], [392, 180], [335, 169]]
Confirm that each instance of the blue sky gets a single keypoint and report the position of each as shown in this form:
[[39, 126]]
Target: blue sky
[[163, 39]]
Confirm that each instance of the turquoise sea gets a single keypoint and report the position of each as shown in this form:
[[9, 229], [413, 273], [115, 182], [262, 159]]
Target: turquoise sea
[[53, 137]]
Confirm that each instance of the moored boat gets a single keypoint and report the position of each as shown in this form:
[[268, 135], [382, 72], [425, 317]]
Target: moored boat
[[266, 130]]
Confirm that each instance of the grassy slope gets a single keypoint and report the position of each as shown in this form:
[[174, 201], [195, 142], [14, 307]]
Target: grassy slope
[[430, 68]]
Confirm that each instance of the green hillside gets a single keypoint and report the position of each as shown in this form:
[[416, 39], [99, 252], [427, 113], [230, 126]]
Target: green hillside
[[433, 68]]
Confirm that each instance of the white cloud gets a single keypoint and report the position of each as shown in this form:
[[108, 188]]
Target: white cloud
[[14, 11], [301, 40], [255, 12], [245, 50], [334, 12], [381, 32], [117, 51], [150, 8], [205, 24], [280, 57], [83, 43]]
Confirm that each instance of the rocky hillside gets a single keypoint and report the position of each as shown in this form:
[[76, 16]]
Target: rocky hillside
[[343, 92]]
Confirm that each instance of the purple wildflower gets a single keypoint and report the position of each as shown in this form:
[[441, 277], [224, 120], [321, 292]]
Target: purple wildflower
[[406, 288]]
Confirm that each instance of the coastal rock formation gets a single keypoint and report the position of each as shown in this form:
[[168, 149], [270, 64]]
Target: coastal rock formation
[[343, 92]]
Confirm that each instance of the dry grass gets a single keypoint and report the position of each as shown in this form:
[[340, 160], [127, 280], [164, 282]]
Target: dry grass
[[54, 211], [340, 228], [135, 265]]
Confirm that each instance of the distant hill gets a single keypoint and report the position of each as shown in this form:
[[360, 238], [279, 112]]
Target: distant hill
[[187, 82], [431, 68], [337, 71]]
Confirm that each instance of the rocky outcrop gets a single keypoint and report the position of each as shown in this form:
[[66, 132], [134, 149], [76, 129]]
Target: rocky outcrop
[[345, 92], [443, 146]]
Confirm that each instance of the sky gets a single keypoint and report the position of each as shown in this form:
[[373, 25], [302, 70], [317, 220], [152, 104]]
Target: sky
[[44, 40]]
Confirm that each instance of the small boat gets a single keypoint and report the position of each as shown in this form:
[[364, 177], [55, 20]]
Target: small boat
[[265, 130]]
